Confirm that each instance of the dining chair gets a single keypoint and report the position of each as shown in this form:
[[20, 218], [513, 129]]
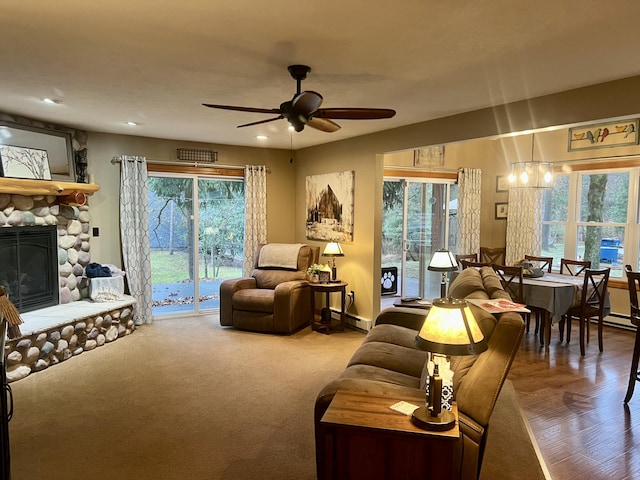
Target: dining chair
[[574, 267], [466, 264], [493, 255], [544, 263], [469, 257], [511, 279], [590, 305], [633, 279]]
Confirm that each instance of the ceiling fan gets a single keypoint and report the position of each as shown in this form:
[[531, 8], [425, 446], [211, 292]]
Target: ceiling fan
[[304, 108]]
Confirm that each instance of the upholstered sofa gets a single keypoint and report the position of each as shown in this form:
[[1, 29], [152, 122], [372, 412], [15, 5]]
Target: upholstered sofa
[[276, 298], [388, 363]]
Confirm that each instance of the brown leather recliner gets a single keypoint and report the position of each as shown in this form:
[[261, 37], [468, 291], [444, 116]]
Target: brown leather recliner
[[272, 299]]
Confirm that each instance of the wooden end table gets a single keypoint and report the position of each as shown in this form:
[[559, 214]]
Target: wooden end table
[[327, 289], [365, 439]]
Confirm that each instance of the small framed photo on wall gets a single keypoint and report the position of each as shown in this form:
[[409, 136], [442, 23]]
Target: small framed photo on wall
[[502, 183], [502, 210]]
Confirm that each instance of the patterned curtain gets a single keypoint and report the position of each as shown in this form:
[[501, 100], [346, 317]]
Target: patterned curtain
[[255, 228], [134, 234], [469, 194], [524, 224]]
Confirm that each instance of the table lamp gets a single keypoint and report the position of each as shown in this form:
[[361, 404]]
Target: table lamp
[[449, 329], [333, 250], [443, 261]]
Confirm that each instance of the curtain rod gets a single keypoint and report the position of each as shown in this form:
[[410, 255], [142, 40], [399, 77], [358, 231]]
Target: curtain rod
[[115, 160]]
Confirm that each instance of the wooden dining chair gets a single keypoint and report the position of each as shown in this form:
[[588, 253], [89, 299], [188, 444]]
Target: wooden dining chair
[[590, 305], [493, 255], [511, 279], [633, 279], [544, 263], [574, 267], [469, 257], [466, 264]]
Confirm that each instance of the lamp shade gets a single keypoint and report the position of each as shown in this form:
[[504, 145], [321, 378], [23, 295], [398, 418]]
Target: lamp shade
[[333, 249], [443, 261], [451, 329]]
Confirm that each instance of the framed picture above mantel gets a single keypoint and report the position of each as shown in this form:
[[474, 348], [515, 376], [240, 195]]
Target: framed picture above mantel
[[21, 162]]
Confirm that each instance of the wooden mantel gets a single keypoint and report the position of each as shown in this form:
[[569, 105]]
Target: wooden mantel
[[45, 187]]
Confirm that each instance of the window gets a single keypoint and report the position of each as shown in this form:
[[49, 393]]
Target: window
[[588, 215]]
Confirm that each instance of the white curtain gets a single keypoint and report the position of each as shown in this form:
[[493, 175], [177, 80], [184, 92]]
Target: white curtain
[[134, 233], [469, 197], [255, 228], [524, 224]]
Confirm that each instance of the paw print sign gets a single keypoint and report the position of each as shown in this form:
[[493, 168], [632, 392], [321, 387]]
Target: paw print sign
[[389, 280]]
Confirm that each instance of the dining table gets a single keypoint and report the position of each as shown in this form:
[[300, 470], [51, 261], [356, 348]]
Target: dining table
[[553, 294]]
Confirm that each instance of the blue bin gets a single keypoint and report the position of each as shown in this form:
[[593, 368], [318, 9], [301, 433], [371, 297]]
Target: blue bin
[[609, 250]]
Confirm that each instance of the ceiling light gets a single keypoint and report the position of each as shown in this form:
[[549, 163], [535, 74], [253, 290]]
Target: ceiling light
[[134, 124], [52, 101], [290, 128], [261, 137]]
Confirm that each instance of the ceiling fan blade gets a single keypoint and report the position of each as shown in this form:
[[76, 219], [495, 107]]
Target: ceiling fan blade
[[261, 121], [243, 109], [354, 113], [306, 103], [323, 124]]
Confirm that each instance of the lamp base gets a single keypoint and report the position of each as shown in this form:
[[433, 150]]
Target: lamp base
[[422, 418]]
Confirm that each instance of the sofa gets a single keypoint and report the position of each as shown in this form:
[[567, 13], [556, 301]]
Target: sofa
[[388, 363], [276, 298]]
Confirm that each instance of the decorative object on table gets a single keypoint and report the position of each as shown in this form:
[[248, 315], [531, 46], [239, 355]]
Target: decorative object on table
[[528, 269], [80, 157], [601, 135], [443, 261], [502, 210], [318, 270], [449, 329], [21, 162], [10, 314], [432, 156], [333, 250], [531, 174], [389, 281], [329, 200]]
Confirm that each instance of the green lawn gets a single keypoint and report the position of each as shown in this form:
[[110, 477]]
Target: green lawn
[[167, 268]]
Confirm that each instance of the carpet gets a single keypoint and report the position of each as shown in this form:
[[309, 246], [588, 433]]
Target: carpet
[[188, 399]]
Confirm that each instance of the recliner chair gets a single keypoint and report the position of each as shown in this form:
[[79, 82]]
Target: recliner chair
[[273, 299]]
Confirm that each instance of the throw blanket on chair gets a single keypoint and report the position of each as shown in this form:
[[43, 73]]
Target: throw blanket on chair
[[279, 255]]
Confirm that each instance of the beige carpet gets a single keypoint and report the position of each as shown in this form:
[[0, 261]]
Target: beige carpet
[[187, 399]]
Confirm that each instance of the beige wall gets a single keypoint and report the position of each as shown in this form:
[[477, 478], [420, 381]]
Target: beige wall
[[104, 210], [364, 155], [361, 264]]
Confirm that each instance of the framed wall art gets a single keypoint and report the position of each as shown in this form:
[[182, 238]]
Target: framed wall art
[[502, 210], [56, 143], [329, 207], [21, 162], [432, 156], [611, 134], [502, 183]]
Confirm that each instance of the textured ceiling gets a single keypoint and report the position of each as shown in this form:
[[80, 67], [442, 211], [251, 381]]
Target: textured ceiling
[[155, 62]]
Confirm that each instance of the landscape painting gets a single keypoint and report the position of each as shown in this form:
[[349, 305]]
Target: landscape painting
[[330, 207]]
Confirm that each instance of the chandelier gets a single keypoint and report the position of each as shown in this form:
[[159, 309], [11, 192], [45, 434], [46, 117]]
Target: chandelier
[[531, 174]]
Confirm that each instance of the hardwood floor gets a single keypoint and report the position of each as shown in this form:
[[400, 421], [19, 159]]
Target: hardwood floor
[[575, 405]]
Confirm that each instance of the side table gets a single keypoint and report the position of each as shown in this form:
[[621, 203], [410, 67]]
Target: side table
[[327, 288], [365, 439]]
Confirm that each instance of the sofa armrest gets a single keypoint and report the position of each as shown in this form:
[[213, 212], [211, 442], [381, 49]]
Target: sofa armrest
[[227, 289], [403, 316]]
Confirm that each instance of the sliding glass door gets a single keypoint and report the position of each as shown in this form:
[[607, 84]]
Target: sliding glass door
[[196, 227], [418, 219]]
